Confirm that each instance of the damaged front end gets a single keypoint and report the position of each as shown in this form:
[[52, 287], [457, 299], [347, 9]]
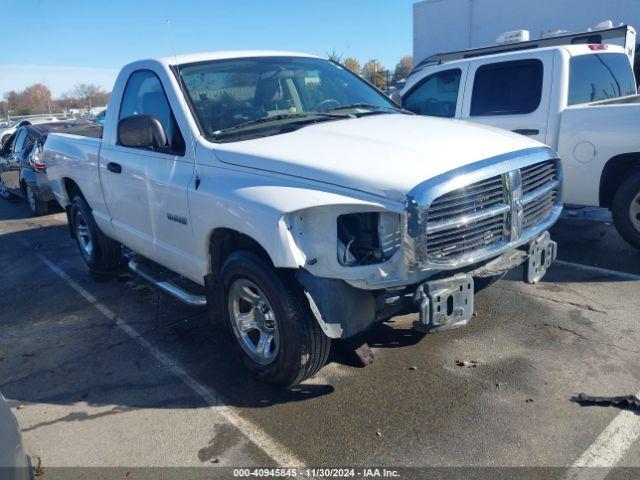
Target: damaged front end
[[456, 231]]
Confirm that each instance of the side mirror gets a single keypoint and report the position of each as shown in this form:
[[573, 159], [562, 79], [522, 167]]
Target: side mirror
[[141, 131], [396, 97]]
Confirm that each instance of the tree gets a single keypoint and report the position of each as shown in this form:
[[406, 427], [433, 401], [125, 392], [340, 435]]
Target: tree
[[334, 56], [87, 95], [37, 98], [352, 64], [32, 100], [403, 68], [374, 72]]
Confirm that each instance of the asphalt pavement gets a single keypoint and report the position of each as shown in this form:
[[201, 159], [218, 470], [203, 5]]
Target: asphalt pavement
[[107, 372]]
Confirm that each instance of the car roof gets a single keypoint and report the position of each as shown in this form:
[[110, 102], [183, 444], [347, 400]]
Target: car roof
[[228, 55], [573, 50]]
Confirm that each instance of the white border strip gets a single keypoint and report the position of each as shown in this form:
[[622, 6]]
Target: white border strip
[[281, 455], [608, 449], [599, 270]]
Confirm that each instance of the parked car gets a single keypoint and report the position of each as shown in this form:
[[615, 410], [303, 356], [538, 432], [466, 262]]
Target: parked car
[[14, 462], [579, 99], [7, 132], [22, 166], [306, 203], [99, 118]]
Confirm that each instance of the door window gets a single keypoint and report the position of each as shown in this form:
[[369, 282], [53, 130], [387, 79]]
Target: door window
[[507, 88], [144, 95], [436, 95], [19, 142]]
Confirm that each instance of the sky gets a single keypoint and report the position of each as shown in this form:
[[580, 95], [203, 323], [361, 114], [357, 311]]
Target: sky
[[66, 42]]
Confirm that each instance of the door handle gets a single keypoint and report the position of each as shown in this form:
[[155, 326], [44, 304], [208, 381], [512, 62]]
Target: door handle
[[526, 131], [114, 167]]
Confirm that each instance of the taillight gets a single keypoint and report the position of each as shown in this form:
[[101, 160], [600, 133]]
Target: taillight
[[598, 46], [37, 159]]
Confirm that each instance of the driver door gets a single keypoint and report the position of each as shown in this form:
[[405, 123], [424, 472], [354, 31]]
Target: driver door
[[11, 163]]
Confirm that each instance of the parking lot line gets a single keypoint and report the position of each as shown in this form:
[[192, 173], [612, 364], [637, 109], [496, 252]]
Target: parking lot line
[[599, 270], [280, 454], [608, 449]]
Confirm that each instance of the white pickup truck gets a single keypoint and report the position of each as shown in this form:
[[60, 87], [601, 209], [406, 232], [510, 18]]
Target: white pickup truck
[[304, 203], [581, 100]]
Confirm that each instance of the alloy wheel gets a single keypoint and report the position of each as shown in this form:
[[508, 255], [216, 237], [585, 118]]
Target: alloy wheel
[[634, 212], [84, 237], [254, 321]]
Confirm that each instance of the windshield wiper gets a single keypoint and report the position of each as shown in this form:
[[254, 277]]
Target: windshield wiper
[[307, 116], [370, 106]]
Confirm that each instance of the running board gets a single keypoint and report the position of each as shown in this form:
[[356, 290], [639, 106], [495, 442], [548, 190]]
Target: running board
[[166, 285]]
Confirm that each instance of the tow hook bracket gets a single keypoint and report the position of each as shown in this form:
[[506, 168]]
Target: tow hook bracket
[[542, 253], [444, 304]]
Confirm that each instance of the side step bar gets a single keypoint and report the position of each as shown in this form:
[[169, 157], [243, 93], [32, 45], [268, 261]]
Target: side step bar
[[167, 286]]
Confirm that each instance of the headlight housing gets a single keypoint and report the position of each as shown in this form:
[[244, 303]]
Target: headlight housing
[[368, 238]]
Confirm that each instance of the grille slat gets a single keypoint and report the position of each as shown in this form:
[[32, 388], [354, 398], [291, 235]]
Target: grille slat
[[469, 207], [454, 232], [474, 218], [495, 229], [469, 191], [469, 198]]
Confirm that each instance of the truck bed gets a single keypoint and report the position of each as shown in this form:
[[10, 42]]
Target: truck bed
[[73, 156]]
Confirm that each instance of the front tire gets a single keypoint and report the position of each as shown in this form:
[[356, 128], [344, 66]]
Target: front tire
[[626, 210], [100, 253], [37, 206], [274, 330]]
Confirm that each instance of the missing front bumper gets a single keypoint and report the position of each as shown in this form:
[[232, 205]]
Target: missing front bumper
[[445, 304], [542, 253]]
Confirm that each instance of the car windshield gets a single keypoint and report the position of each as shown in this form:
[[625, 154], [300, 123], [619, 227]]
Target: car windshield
[[262, 96]]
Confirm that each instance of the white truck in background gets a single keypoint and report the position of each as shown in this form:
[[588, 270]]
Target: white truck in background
[[304, 203], [581, 100], [454, 25]]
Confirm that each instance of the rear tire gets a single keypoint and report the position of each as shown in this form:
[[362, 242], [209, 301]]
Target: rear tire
[[100, 253], [626, 210], [5, 193], [37, 206], [273, 306]]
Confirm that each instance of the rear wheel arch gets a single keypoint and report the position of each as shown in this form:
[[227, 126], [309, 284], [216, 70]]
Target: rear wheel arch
[[615, 172], [72, 189]]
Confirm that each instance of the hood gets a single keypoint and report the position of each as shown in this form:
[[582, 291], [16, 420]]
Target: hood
[[386, 154]]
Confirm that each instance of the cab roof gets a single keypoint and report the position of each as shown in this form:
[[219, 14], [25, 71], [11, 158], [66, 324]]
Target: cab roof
[[227, 55], [572, 50]]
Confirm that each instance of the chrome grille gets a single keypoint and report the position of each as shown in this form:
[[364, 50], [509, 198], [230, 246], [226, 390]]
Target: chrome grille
[[480, 216], [541, 191], [447, 238], [476, 197]]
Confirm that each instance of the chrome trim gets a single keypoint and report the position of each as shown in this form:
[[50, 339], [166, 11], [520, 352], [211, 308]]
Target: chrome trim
[[168, 287], [513, 198], [447, 224], [541, 192], [420, 198]]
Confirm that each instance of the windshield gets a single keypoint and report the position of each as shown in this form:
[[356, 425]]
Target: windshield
[[600, 77], [259, 96]]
